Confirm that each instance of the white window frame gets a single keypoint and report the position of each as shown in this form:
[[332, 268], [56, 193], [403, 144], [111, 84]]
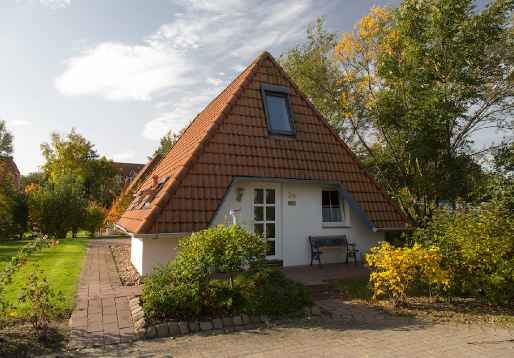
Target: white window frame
[[342, 206]]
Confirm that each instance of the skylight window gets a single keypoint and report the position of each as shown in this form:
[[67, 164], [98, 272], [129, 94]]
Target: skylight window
[[277, 109]]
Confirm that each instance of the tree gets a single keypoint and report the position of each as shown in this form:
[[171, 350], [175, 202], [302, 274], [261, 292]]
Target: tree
[[416, 84], [315, 71], [168, 141], [6, 139], [38, 178], [73, 155], [59, 207]]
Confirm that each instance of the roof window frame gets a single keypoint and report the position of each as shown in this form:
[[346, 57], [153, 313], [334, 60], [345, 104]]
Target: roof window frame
[[279, 91]]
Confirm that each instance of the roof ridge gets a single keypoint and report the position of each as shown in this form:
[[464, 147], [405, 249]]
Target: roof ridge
[[169, 187]]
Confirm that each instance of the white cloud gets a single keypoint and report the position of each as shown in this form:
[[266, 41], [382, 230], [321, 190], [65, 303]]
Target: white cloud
[[185, 62], [118, 71], [182, 113], [56, 4], [19, 123], [123, 156]]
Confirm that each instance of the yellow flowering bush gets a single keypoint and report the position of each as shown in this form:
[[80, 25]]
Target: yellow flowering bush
[[395, 270]]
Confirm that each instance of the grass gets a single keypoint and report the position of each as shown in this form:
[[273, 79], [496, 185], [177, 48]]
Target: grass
[[61, 264], [9, 249]]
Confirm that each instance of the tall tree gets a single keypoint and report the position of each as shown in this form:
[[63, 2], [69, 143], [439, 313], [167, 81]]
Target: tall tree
[[417, 84], [167, 141], [73, 155], [6, 139]]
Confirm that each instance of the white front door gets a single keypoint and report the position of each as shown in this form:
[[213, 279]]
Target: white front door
[[266, 209]]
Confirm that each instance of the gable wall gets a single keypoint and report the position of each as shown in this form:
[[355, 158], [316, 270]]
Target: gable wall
[[241, 146]]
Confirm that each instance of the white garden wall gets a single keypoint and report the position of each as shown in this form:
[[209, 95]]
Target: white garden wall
[[146, 253]]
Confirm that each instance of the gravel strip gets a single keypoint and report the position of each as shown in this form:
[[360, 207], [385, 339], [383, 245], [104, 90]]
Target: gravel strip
[[127, 272]]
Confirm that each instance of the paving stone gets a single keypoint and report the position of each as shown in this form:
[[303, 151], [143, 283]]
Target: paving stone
[[102, 310], [151, 332], [183, 327], [206, 326], [245, 318], [217, 323], [227, 322], [194, 326], [315, 311], [238, 321], [173, 329]]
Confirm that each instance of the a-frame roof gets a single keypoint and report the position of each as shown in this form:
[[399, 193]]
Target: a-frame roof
[[229, 139]]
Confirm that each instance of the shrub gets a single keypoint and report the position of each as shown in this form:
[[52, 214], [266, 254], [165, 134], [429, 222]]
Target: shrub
[[219, 271], [397, 270], [270, 292], [477, 247], [94, 218], [37, 297]]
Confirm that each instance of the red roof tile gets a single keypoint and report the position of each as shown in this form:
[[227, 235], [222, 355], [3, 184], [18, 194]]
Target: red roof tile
[[229, 139]]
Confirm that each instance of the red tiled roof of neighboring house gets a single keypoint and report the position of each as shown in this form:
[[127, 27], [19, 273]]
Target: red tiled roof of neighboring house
[[8, 168], [229, 139], [128, 171]]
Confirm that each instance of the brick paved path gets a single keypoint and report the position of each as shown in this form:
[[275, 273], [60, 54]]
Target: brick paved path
[[101, 314]]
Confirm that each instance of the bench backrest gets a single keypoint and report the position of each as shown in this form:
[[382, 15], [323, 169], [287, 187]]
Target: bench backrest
[[334, 240]]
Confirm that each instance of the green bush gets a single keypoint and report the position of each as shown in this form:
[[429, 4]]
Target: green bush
[[37, 297], [220, 271], [477, 246], [94, 218]]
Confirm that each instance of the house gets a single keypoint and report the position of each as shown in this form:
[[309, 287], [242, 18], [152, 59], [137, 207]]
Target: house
[[259, 155], [127, 172], [8, 169]]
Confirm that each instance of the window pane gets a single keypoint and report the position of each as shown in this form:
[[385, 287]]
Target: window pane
[[270, 231], [258, 213], [270, 248], [270, 213], [331, 207], [258, 196], [277, 110], [334, 198], [270, 196], [325, 198], [258, 229]]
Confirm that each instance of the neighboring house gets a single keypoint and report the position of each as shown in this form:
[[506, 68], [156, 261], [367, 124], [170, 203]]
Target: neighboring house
[[9, 169], [262, 156], [127, 172]]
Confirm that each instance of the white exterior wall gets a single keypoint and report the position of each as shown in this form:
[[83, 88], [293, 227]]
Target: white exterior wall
[[147, 253], [296, 222]]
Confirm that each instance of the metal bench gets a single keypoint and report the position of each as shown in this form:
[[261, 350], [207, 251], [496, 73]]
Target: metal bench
[[335, 241]]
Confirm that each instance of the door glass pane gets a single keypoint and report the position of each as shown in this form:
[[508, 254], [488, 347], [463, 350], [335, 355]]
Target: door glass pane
[[258, 229], [270, 230], [270, 248], [258, 196], [270, 213], [258, 213], [270, 196]]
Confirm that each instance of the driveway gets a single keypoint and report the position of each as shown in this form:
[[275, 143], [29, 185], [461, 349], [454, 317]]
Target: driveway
[[329, 339]]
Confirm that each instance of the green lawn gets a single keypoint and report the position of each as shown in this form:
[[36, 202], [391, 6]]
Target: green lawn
[[61, 264]]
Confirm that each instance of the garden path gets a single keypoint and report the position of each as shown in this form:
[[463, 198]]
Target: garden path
[[101, 315]]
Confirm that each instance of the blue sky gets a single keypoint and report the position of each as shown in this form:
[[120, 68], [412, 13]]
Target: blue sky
[[123, 72]]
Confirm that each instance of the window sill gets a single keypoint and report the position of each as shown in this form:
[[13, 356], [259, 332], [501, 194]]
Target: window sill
[[335, 225]]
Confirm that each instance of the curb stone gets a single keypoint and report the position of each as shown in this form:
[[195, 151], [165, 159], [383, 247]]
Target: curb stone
[[174, 328]]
